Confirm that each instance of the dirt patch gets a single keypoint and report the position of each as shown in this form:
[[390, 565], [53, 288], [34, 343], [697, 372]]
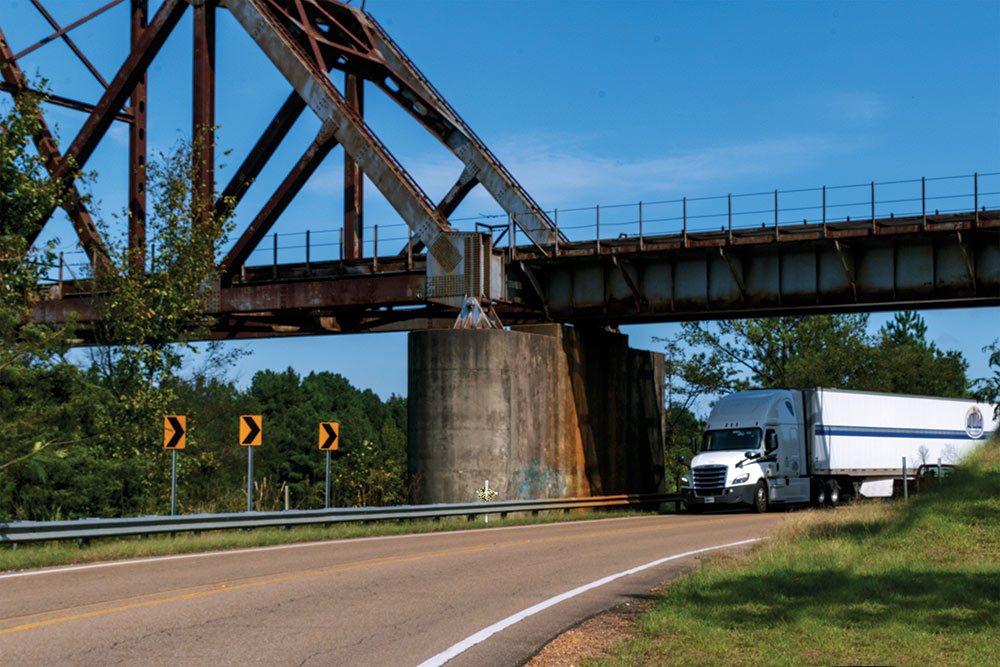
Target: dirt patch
[[593, 637]]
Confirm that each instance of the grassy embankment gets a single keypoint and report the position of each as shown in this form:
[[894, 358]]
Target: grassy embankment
[[66, 552], [887, 583]]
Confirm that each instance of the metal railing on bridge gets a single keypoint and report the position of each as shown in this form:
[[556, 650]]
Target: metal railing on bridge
[[740, 211]]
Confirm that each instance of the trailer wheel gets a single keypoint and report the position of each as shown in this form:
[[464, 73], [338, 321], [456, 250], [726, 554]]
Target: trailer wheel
[[818, 493], [760, 497], [832, 493]]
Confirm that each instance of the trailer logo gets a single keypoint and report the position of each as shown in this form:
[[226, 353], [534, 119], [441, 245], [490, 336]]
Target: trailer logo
[[974, 423]]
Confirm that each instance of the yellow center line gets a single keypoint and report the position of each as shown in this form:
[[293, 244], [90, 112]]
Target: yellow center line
[[203, 590]]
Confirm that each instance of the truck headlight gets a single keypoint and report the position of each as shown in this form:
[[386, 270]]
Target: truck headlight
[[741, 479], [684, 479]]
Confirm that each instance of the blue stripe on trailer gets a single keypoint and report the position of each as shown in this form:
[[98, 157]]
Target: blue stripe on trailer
[[885, 432]]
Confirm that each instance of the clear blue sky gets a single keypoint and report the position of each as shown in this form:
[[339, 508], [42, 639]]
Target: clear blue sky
[[592, 103]]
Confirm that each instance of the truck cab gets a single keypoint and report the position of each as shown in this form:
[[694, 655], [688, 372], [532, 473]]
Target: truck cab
[[751, 454]]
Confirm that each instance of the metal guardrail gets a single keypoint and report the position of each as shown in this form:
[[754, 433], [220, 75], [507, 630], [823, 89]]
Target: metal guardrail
[[85, 529]]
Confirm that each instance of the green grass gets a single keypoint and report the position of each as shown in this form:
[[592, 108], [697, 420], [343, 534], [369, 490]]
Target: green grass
[[65, 552], [887, 583]]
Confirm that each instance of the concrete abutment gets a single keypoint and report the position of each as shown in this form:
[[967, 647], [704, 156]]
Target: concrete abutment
[[542, 411]]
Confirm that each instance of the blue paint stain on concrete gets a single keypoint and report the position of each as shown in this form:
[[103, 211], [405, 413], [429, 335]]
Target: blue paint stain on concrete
[[534, 481]]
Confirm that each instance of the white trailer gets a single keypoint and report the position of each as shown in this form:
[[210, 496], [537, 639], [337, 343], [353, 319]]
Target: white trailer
[[819, 445]]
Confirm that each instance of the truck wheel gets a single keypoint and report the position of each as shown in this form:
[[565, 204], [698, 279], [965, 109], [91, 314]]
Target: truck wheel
[[760, 497], [818, 493], [832, 493]]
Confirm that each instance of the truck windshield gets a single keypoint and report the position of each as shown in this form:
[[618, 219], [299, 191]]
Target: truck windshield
[[744, 439]]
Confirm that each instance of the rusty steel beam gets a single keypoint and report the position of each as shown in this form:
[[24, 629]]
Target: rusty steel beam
[[203, 104], [414, 88], [296, 178], [137, 150], [354, 178], [47, 148], [262, 21], [59, 100], [391, 289], [70, 43], [59, 33], [344, 37], [124, 82], [799, 273], [260, 153]]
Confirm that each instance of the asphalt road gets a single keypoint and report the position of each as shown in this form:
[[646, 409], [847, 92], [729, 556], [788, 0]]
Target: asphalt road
[[377, 601]]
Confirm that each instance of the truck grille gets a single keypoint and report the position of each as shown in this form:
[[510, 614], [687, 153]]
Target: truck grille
[[709, 480]]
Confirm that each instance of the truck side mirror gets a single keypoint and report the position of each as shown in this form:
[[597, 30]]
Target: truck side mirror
[[770, 441]]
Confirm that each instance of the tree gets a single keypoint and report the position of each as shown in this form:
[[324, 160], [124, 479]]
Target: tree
[[30, 353], [150, 309], [987, 389], [833, 351], [904, 361], [782, 352]]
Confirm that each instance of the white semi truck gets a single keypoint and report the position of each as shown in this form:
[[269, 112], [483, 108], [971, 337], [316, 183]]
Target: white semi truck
[[817, 446]]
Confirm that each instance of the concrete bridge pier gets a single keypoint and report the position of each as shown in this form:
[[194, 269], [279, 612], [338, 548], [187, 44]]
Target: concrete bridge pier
[[541, 411]]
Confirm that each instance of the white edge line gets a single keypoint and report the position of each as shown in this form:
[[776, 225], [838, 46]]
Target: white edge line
[[488, 632], [273, 547]]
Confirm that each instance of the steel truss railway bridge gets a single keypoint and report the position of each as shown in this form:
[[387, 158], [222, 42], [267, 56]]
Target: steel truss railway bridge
[[524, 264]]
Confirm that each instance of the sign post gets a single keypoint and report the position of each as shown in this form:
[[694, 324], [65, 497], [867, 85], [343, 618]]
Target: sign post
[[329, 433], [250, 436], [174, 438]]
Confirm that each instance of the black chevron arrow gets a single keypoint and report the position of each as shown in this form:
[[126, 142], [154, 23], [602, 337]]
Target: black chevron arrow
[[175, 424], [331, 437], [254, 430]]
